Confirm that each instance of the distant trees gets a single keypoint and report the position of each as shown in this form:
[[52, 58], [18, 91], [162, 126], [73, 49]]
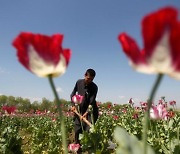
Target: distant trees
[[3, 100], [45, 104], [25, 105]]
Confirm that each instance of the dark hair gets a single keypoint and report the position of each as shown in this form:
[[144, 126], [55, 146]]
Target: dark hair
[[91, 72]]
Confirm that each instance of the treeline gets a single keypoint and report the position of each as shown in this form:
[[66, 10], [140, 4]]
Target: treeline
[[25, 105]]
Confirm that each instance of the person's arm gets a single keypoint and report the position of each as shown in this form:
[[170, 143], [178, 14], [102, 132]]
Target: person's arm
[[92, 100]]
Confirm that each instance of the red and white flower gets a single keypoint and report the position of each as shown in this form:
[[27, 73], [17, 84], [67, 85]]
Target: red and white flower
[[41, 54], [77, 99], [161, 51]]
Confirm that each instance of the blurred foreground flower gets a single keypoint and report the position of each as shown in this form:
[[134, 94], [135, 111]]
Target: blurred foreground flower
[[43, 55], [160, 54], [161, 51]]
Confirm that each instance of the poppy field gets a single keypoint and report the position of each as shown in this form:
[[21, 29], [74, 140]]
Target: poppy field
[[149, 128], [40, 132]]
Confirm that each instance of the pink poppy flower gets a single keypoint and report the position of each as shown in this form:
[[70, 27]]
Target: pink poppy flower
[[158, 112], [100, 113], [42, 55], [161, 36], [124, 110], [38, 112], [54, 119], [77, 99], [115, 117], [144, 104], [161, 101], [171, 114], [73, 147], [173, 103], [109, 106], [135, 116], [98, 104], [137, 108], [131, 101]]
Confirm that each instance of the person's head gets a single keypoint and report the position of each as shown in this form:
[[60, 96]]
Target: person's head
[[89, 76]]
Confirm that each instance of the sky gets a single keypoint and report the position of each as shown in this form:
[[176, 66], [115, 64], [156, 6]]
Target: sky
[[90, 29]]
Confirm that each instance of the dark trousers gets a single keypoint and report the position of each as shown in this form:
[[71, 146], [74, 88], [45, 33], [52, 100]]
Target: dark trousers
[[78, 129]]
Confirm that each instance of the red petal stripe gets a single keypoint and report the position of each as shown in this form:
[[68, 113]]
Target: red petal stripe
[[175, 45], [131, 49], [21, 44], [154, 25], [49, 48], [67, 55]]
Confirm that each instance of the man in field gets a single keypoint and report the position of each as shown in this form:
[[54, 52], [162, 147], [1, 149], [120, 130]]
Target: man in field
[[88, 89]]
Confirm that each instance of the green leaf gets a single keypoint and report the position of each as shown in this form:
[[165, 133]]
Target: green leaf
[[171, 123], [165, 150], [129, 144]]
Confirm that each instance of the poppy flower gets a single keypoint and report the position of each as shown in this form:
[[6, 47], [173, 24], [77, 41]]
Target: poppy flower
[[77, 99], [73, 147], [173, 103], [161, 39], [171, 114], [158, 112], [115, 117], [109, 106], [124, 110], [41, 54], [131, 101], [9, 109], [135, 115]]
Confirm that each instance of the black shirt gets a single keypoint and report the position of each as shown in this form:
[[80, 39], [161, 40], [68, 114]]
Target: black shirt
[[88, 91]]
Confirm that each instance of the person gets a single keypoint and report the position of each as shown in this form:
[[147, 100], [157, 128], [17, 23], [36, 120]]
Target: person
[[88, 89]]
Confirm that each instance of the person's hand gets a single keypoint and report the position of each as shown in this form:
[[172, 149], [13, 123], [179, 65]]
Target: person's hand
[[85, 114], [81, 118]]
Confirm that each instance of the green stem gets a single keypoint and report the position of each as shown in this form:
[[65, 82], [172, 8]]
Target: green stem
[[178, 134], [92, 117], [58, 102], [146, 124]]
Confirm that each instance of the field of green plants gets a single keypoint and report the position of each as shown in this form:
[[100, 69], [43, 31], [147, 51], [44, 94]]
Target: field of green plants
[[39, 131]]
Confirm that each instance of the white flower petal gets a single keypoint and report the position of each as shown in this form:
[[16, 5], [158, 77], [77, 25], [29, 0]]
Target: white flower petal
[[42, 68], [152, 115], [161, 57], [143, 68], [175, 75]]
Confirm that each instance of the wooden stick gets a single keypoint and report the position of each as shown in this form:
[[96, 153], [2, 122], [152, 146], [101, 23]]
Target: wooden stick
[[81, 117]]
